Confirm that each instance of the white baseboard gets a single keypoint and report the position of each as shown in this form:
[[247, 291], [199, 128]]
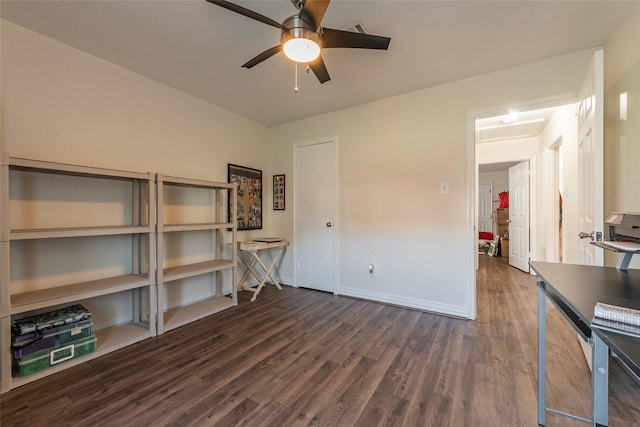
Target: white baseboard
[[419, 304]]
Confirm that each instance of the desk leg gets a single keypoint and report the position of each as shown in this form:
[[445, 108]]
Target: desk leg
[[273, 263], [244, 275], [262, 279], [600, 381], [249, 270], [542, 359]]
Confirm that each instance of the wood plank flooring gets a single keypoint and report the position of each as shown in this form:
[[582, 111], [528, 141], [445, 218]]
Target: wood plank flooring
[[303, 358]]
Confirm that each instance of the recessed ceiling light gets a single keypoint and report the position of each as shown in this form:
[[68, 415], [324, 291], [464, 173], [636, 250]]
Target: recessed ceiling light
[[510, 118]]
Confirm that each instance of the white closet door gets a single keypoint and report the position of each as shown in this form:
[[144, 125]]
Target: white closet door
[[315, 216]]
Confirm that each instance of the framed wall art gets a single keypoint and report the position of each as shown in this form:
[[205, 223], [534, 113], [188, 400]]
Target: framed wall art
[[249, 196], [279, 192]]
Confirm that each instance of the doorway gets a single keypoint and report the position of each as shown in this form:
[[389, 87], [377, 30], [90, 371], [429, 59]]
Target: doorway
[[503, 139], [553, 204]]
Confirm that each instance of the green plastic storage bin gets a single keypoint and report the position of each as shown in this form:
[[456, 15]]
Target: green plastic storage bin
[[52, 356]]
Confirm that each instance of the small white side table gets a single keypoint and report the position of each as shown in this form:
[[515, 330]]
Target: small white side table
[[254, 248]]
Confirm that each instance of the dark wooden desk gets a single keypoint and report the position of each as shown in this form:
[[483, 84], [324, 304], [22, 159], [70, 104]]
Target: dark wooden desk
[[575, 290]]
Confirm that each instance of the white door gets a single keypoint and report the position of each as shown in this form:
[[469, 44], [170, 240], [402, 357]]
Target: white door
[[519, 216], [590, 168], [590, 161], [485, 191], [314, 212]]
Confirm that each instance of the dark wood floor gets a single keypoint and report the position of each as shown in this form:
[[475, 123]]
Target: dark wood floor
[[297, 357]]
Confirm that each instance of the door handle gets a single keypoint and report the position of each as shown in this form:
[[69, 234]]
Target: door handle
[[584, 235], [329, 224], [595, 236]]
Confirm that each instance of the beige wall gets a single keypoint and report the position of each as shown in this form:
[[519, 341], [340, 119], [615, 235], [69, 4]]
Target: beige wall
[[61, 104], [511, 150], [622, 137], [392, 156]]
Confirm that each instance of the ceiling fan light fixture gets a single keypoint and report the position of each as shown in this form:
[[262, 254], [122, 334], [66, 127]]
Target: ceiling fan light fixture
[[301, 50], [301, 44]]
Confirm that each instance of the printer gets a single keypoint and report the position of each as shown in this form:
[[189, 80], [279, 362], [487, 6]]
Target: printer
[[622, 227], [622, 234]]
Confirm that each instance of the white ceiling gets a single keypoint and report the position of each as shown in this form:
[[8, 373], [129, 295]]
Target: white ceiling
[[198, 48], [521, 124], [510, 128], [496, 167]]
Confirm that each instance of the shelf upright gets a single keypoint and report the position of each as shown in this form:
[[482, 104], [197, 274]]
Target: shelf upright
[[4, 237], [5, 290], [221, 262], [135, 285]]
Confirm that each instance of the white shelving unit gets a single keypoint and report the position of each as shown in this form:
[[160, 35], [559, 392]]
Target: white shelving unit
[[53, 236], [196, 249]]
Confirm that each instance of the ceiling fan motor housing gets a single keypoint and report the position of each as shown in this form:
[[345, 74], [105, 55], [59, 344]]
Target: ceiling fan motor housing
[[297, 28]]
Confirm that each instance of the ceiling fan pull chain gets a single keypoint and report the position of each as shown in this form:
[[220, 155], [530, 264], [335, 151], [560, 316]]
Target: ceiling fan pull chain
[[295, 66]]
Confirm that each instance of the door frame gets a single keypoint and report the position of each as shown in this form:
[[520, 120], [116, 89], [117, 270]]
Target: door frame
[[336, 223], [473, 179], [552, 206]]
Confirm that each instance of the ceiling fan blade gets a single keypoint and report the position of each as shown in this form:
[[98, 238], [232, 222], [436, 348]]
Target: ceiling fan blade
[[261, 57], [246, 12], [319, 69], [338, 38], [313, 11]]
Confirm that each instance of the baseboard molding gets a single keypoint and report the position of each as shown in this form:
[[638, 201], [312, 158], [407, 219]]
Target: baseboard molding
[[419, 304]]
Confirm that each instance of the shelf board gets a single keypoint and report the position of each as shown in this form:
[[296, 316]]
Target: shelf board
[[51, 233], [190, 270], [34, 300], [108, 340], [179, 316], [75, 170], [117, 337], [196, 227]]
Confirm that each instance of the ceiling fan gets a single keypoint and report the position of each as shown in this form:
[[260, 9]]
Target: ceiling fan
[[302, 38]]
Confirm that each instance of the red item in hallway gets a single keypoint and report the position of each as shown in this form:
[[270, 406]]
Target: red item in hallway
[[504, 199]]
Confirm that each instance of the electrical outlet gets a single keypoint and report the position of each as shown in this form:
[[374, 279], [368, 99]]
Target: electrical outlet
[[444, 188]]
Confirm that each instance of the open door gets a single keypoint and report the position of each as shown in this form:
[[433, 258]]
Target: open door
[[590, 168], [519, 216], [590, 162]]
